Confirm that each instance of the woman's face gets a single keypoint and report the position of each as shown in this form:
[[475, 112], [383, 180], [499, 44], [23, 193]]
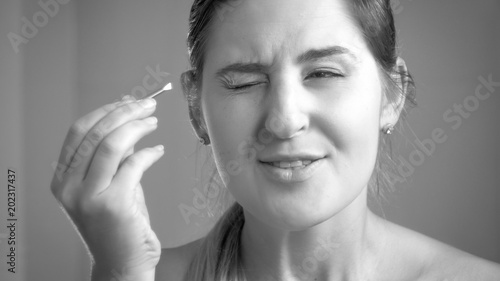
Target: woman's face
[[291, 98]]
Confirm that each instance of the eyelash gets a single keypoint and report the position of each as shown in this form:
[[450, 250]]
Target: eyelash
[[248, 85], [330, 74], [242, 86]]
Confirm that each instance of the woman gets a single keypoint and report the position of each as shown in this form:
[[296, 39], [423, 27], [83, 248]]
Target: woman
[[295, 99]]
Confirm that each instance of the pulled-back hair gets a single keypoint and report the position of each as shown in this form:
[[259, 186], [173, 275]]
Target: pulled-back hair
[[219, 256]]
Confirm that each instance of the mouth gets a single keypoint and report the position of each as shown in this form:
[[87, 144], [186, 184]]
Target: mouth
[[291, 170], [293, 165]]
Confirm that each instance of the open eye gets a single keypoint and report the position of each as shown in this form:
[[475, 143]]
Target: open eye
[[324, 74]]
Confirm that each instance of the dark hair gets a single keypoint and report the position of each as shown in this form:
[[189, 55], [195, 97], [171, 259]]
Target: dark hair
[[218, 257]]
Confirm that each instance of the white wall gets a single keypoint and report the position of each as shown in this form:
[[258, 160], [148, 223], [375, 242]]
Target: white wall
[[38, 87], [11, 135], [454, 195]]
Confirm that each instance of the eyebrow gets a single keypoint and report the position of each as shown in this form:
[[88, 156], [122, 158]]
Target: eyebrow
[[241, 67], [309, 56], [319, 54]]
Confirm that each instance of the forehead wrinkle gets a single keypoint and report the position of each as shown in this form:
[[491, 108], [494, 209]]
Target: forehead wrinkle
[[273, 48]]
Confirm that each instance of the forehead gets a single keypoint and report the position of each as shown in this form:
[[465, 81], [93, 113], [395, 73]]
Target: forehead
[[267, 30]]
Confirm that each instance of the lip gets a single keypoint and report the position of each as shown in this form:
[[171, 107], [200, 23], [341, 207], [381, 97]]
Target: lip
[[291, 157], [287, 175]]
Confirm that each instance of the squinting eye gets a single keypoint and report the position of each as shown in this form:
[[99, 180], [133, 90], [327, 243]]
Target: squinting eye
[[242, 86], [324, 74]]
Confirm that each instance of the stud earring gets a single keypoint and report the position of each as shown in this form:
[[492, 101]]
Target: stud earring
[[388, 129], [205, 140]]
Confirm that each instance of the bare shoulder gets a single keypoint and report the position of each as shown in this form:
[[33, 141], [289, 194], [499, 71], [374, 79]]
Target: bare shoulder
[[452, 264], [437, 261], [174, 262]]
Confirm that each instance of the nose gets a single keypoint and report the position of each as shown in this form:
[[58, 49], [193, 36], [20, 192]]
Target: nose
[[286, 117]]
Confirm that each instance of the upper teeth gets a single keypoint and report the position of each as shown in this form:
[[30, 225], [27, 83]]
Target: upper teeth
[[293, 164]]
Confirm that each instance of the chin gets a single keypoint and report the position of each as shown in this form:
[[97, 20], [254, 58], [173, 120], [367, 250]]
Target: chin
[[297, 206], [291, 215]]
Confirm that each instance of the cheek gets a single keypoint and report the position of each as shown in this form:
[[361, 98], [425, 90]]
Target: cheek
[[354, 132], [230, 125]]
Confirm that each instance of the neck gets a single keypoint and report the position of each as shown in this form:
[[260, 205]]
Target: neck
[[344, 247]]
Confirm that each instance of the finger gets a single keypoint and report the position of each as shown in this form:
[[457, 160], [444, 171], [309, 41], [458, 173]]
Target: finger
[[112, 149], [118, 117], [130, 173], [80, 128], [127, 154], [72, 141]]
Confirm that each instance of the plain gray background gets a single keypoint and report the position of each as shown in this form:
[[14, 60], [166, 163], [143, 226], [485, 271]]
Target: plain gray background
[[92, 52]]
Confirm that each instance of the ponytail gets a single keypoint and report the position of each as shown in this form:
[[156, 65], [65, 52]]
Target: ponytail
[[219, 256]]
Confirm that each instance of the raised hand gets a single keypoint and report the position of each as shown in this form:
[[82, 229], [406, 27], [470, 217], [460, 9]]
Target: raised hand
[[98, 185]]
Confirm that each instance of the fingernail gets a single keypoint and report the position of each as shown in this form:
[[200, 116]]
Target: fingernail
[[126, 97], [148, 103], [151, 120], [159, 147]]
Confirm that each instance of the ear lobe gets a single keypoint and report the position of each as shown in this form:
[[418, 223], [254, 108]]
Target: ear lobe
[[192, 95], [393, 106]]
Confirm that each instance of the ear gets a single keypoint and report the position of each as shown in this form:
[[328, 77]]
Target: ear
[[192, 95], [394, 101]]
